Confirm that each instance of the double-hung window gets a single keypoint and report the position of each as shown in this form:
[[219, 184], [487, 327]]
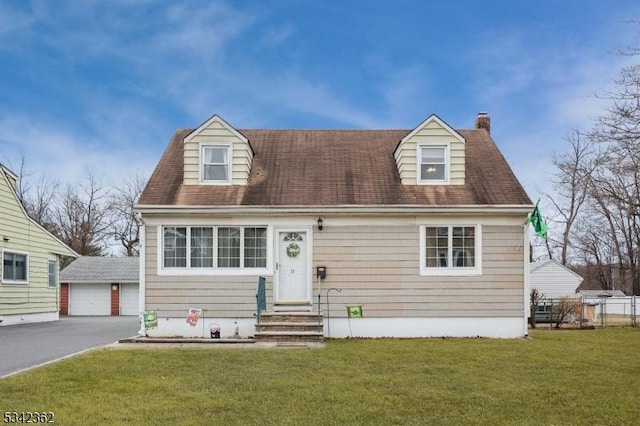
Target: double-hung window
[[433, 164], [175, 247], [214, 247], [201, 247], [450, 249], [228, 247], [15, 267], [215, 162]]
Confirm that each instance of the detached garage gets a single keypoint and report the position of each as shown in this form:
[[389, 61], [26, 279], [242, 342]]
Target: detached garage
[[100, 286]]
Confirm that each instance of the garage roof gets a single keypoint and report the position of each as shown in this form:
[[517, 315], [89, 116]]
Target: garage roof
[[95, 269]]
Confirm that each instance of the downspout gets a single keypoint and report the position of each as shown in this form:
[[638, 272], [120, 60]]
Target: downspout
[[141, 279], [527, 305]]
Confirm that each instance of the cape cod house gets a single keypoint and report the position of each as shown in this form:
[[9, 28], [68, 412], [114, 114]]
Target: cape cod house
[[29, 282], [425, 230]]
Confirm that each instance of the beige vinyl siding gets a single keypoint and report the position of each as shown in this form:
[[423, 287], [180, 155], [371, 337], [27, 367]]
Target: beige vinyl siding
[[25, 236], [216, 133], [433, 133], [379, 269], [219, 296], [374, 266]]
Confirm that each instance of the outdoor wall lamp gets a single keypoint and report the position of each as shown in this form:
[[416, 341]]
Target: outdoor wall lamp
[[320, 224], [5, 238]]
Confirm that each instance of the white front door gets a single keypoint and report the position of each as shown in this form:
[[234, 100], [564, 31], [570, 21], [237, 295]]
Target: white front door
[[293, 274]]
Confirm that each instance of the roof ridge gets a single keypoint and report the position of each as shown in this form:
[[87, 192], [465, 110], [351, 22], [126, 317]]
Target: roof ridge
[[322, 130]]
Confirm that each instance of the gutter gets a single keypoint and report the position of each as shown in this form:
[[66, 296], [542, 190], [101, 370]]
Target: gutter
[[345, 209]]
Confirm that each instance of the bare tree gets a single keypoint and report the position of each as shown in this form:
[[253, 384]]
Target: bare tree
[[597, 181], [83, 216], [566, 310], [38, 199], [125, 227], [615, 188], [535, 298], [571, 185]]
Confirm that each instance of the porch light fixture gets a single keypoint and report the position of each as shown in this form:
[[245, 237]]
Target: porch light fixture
[[320, 224]]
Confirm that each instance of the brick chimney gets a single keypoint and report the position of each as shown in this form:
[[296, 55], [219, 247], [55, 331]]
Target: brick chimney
[[483, 121]]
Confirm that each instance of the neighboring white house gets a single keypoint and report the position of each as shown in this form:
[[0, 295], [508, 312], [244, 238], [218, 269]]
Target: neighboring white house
[[553, 280], [94, 285]]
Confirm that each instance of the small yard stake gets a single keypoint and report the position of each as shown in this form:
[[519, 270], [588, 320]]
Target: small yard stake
[[353, 312], [329, 311]]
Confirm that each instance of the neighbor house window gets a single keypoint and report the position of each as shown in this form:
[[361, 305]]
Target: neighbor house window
[[15, 267], [450, 249], [215, 247], [53, 267], [433, 163], [215, 164]]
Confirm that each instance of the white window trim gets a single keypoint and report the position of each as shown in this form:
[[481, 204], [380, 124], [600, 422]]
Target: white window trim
[[189, 271], [202, 147], [15, 282], [451, 270], [447, 163]]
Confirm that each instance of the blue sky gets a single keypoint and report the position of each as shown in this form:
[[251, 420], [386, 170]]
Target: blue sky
[[102, 85]]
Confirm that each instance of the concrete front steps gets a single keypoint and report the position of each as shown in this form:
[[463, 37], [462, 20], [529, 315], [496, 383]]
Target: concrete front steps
[[289, 328]]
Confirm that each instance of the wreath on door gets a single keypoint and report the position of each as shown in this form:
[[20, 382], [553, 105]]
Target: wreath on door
[[293, 250]]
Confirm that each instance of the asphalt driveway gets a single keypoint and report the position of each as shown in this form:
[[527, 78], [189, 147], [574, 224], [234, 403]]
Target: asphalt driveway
[[27, 345]]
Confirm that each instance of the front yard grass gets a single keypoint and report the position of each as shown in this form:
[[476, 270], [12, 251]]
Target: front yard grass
[[555, 378]]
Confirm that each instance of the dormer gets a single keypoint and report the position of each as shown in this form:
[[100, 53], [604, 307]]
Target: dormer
[[431, 154], [217, 154]]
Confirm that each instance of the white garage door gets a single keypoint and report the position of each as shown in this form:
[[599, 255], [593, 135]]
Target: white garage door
[[89, 299], [129, 299]]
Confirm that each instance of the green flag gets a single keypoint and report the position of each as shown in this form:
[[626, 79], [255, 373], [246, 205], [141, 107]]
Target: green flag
[[354, 311], [539, 225]]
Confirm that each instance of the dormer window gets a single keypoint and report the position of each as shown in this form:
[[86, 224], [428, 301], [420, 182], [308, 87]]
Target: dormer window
[[433, 164], [215, 164]]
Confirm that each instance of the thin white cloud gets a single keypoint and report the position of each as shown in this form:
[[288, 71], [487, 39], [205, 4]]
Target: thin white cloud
[[67, 157], [539, 92], [12, 20], [188, 56], [277, 35]]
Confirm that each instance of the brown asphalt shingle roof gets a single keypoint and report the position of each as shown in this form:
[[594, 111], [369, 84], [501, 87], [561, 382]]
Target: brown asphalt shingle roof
[[336, 168]]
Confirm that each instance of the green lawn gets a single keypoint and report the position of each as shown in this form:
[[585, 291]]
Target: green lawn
[[555, 378]]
